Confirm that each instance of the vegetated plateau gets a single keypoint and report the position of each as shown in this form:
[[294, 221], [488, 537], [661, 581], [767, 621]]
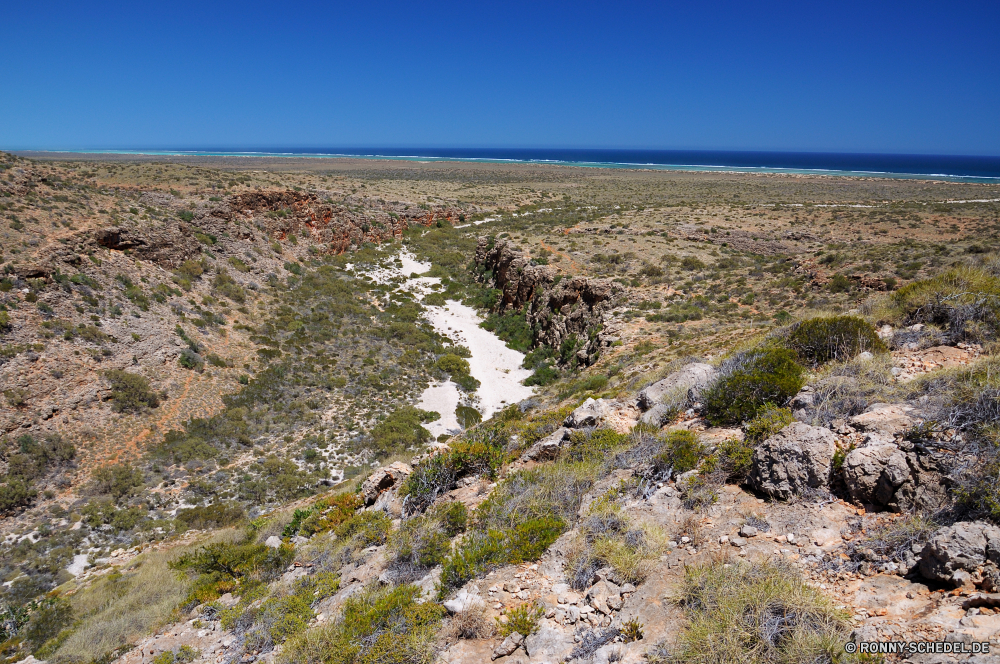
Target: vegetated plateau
[[764, 421]]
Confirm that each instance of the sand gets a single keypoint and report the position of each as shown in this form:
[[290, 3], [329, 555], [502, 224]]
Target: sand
[[495, 366]]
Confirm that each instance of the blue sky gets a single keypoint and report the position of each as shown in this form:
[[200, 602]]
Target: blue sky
[[915, 77]]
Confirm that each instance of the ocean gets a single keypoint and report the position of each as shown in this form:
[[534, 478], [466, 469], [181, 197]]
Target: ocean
[[947, 167]]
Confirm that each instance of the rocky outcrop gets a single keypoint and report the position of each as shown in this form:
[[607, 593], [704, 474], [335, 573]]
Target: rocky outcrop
[[557, 310], [168, 244], [589, 414], [547, 448], [874, 473], [338, 226], [384, 479], [693, 377], [885, 419], [957, 554], [797, 458]]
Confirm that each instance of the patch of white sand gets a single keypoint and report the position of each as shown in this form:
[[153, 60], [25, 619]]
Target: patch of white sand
[[442, 398], [494, 365], [78, 565]]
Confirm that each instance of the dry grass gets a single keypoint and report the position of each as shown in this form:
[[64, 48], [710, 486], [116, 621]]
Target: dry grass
[[472, 623], [750, 613]]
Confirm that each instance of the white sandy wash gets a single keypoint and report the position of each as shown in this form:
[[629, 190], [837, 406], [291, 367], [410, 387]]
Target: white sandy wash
[[496, 367]]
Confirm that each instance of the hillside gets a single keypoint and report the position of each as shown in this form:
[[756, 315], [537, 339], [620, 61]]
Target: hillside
[[737, 418]]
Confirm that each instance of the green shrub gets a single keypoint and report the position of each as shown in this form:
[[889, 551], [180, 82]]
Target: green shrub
[[519, 521], [734, 457], [820, 340], [594, 444], [326, 514], [769, 420], [215, 515], [119, 480], [749, 380], [965, 300], [839, 284], [191, 360], [378, 625], [400, 430], [682, 451], [755, 613], [522, 619], [131, 392]]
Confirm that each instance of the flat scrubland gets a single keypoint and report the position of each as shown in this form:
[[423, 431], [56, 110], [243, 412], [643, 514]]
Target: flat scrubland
[[197, 374]]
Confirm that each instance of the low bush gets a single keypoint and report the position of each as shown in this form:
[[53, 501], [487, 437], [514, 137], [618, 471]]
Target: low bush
[[819, 340], [749, 380], [964, 300], [225, 566], [380, 624], [769, 421], [681, 452], [522, 619], [400, 430], [325, 514], [608, 538], [215, 515], [131, 392], [519, 521], [120, 480], [755, 613], [421, 542]]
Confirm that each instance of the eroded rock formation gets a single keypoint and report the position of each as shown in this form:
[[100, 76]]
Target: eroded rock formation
[[557, 310]]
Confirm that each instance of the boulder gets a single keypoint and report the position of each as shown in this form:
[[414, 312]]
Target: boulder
[[796, 458], [384, 479], [549, 644], [692, 377], [273, 542], [888, 419], [957, 553], [589, 414], [874, 473], [508, 645], [462, 601], [547, 448], [658, 415]]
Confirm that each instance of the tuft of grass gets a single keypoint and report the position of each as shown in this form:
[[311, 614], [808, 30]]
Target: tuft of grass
[[609, 538], [756, 613], [121, 607]]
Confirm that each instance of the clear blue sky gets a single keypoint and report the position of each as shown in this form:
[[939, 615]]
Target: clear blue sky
[[869, 76]]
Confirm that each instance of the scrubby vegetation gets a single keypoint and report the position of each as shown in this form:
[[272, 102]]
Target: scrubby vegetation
[[377, 625], [749, 380], [756, 613]]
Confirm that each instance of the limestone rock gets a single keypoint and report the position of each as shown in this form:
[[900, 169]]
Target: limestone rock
[[547, 448], [796, 458], [657, 415], [508, 645], [692, 377], [462, 601], [890, 419], [548, 644], [383, 479], [589, 414], [962, 547], [874, 473], [273, 542]]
